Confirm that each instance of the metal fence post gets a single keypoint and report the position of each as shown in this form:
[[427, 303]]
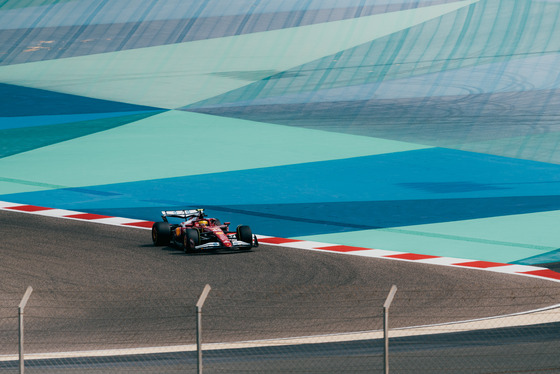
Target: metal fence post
[[386, 307], [199, 305], [21, 308]]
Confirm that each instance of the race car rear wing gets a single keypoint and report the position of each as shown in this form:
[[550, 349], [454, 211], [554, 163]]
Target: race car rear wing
[[181, 213]]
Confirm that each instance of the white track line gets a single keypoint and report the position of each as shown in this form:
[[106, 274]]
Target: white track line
[[524, 270], [539, 316]]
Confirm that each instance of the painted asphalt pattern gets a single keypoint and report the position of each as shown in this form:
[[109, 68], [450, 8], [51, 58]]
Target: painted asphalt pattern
[[424, 122], [421, 132]]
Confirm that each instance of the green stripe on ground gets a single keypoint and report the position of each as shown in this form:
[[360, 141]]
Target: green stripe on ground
[[503, 239], [469, 239], [174, 144], [38, 185]]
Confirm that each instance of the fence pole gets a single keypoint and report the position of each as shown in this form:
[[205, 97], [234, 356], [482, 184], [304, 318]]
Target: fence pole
[[199, 305], [386, 307], [21, 308]]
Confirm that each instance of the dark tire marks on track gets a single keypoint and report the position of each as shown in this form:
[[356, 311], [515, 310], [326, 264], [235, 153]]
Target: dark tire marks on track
[[100, 287]]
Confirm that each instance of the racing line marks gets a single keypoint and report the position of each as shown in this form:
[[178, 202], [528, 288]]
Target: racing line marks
[[525, 270]]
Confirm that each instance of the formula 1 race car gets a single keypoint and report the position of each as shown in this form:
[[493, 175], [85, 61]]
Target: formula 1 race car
[[195, 232]]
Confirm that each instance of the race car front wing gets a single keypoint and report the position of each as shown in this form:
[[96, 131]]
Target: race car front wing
[[235, 244]]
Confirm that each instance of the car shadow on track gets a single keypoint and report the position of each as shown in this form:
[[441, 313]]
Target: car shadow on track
[[209, 252], [173, 251]]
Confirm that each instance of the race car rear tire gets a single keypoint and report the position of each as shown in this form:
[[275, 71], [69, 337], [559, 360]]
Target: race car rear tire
[[161, 233], [191, 239], [245, 234]]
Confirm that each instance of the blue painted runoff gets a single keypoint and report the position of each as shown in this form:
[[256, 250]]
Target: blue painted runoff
[[389, 190]]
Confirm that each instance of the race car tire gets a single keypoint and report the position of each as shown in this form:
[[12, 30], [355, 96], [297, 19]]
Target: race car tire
[[161, 233], [244, 234], [191, 239]]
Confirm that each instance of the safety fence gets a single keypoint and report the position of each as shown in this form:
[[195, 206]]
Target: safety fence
[[309, 329]]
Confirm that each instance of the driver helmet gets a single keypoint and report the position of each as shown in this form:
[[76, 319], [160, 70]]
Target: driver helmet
[[203, 223]]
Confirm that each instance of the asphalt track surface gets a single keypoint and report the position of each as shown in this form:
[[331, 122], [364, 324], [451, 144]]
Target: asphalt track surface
[[100, 287]]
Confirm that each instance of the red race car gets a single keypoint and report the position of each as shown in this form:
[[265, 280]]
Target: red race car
[[196, 232]]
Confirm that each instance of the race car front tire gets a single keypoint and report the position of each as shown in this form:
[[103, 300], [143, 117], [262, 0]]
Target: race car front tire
[[161, 233], [245, 234], [191, 239]]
